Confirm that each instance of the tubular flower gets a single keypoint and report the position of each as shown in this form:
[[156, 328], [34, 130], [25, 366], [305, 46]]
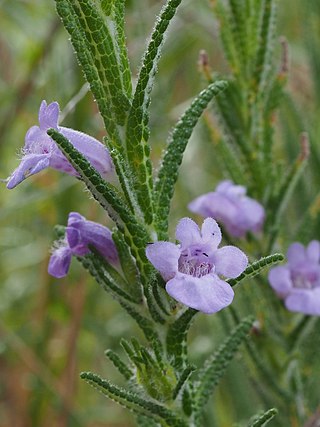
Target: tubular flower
[[192, 269], [229, 205], [298, 281], [40, 151], [80, 233]]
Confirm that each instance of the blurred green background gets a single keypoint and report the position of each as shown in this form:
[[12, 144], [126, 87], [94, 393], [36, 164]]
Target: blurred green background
[[52, 329]]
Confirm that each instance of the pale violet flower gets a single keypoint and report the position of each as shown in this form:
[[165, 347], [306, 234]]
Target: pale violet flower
[[298, 281], [80, 233], [41, 152], [229, 205], [195, 269]]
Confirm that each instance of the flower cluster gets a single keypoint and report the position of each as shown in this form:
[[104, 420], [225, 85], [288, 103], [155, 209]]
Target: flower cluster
[[230, 206], [80, 233], [298, 282], [192, 269], [41, 152]]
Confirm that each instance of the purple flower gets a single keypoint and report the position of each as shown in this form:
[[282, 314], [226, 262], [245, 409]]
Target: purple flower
[[230, 206], [79, 234], [41, 152], [298, 281], [192, 268]]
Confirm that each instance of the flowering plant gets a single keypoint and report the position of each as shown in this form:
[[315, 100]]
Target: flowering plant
[[163, 286]]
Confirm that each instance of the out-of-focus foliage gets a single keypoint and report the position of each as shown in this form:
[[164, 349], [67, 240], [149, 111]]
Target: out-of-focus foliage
[[51, 330]]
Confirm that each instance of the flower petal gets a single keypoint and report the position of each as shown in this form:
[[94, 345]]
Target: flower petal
[[211, 232], [296, 254], [280, 280], [304, 301], [229, 261], [81, 233], [97, 153], [164, 257], [313, 251], [48, 115], [29, 165], [208, 294], [224, 186], [253, 214], [76, 243], [60, 262], [187, 232]]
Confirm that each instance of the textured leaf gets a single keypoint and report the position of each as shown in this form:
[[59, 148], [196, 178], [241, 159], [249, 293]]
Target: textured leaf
[[125, 178], [147, 326], [256, 268], [172, 159], [128, 265], [119, 364], [182, 380], [281, 199], [104, 278], [238, 27], [265, 44], [133, 401], [96, 53], [176, 338], [114, 11], [217, 364], [226, 35], [227, 153], [263, 420], [137, 126], [144, 421]]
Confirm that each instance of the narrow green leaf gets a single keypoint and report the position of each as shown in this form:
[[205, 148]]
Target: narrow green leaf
[[227, 153], [172, 159], [119, 364], [263, 420], [133, 401], [265, 45], [187, 402], [155, 311], [176, 338], [104, 278], [183, 380], [287, 187], [125, 178], [128, 350], [256, 268], [230, 110], [137, 126], [70, 19], [217, 364], [100, 32], [261, 365], [238, 27], [144, 421], [128, 265], [160, 296], [114, 13], [227, 36], [147, 326]]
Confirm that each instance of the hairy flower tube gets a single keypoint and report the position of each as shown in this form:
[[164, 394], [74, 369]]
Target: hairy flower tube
[[80, 233], [40, 151], [192, 269], [298, 281], [229, 205]]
